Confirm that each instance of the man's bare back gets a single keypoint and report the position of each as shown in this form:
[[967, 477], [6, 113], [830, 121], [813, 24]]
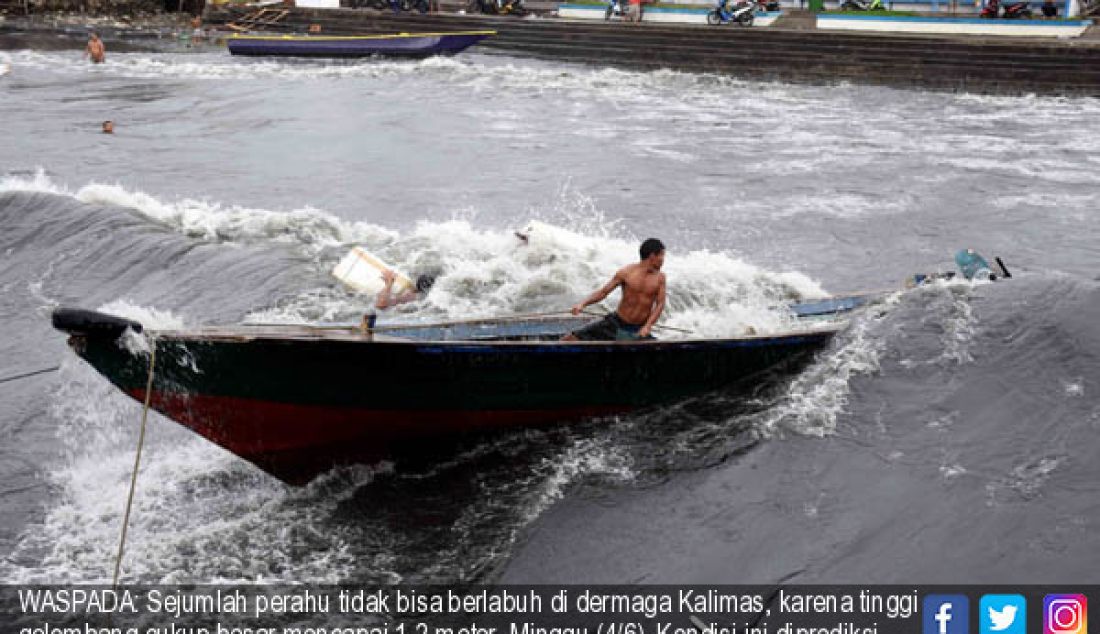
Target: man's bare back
[[643, 299]]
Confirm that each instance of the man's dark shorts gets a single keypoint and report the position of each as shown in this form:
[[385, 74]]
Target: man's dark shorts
[[610, 328]]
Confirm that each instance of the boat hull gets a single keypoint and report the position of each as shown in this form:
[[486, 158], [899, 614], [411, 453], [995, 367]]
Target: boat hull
[[297, 406], [402, 45]]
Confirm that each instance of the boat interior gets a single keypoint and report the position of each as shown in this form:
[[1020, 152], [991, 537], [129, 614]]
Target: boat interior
[[520, 330]]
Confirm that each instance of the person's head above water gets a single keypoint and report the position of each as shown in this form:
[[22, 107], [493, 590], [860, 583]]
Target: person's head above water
[[424, 283], [655, 249]]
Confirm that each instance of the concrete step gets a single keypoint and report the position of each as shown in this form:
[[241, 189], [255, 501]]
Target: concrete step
[[1091, 33], [787, 54], [797, 20], [819, 47]]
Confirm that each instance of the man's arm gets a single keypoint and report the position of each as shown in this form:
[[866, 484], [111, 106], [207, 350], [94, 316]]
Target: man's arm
[[658, 308], [603, 292], [405, 298], [385, 297], [383, 300]]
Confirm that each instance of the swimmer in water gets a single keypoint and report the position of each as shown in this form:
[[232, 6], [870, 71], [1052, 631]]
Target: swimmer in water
[[95, 49]]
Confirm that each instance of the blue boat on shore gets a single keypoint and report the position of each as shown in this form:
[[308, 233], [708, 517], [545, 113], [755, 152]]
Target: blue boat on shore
[[397, 45]]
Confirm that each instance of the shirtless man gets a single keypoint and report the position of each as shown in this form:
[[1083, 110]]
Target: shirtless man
[[643, 299], [95, 49]]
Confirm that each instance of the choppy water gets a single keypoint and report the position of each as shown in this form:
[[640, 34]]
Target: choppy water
[[950, 434]]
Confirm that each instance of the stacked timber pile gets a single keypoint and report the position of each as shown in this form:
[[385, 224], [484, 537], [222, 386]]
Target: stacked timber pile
[[944, 63]]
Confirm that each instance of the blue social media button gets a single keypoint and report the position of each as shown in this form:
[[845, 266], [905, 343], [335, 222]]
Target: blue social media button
[[1002, 614], [946, 614]]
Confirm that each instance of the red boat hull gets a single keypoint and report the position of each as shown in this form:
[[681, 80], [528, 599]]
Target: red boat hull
[[298, 442]]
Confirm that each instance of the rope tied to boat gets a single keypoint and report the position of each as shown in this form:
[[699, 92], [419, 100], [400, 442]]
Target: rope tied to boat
[[137, 459]]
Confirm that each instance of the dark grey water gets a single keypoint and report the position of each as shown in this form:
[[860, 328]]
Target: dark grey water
[[949, 435]]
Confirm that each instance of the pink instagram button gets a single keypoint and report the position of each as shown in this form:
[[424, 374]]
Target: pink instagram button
[[1065, 614]]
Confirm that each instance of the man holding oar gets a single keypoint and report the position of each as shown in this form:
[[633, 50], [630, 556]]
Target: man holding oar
[[642, 302]]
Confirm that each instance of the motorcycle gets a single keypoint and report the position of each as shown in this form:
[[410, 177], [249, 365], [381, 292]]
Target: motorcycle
[[726, 11], [497, 7], [1016, 10], [862, 5]]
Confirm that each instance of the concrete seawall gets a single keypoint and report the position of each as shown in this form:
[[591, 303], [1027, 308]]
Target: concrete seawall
[[967, 63]]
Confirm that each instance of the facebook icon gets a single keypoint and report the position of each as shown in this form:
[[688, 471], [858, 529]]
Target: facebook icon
[[946, 614]]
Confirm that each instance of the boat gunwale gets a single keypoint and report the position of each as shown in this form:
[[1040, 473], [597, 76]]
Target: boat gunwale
[[352, 334]]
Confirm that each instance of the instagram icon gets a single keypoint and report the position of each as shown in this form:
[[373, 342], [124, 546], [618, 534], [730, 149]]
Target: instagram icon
[[1065, 614]]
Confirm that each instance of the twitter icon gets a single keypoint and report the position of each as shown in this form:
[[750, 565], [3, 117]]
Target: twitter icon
[[1002, 614]]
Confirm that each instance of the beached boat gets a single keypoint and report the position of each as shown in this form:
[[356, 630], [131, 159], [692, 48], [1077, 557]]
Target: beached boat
[[396, 45], [297, 400]]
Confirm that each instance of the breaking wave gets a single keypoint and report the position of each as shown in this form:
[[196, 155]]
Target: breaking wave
[[484, 271]]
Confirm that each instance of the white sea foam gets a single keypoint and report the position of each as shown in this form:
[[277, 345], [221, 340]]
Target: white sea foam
[[149, 317], [1060, 203], [208, 220], [310, 228], [199, 512], [1073, 388], [40, 182], [203, 515], [818, 396], [490, 273], [485, 271], [582, 458], [958, 320]]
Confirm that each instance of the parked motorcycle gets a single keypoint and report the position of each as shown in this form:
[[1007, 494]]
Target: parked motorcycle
[[726, 11], [862, 5], [497, 7], [1016, 10]]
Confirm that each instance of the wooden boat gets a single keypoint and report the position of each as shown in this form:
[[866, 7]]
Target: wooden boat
[[297, 400], [396, 45]]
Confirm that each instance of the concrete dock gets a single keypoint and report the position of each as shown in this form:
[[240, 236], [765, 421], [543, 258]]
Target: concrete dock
[[959, 63]]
